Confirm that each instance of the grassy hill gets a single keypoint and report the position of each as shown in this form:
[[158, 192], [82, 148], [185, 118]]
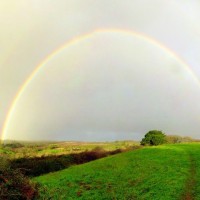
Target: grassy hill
[[164, 172]]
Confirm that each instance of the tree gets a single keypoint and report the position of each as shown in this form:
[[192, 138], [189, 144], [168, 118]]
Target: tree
[[173, 139], [153, 137]]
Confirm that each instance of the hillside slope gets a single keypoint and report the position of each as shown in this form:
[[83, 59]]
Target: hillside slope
[[158, 173]]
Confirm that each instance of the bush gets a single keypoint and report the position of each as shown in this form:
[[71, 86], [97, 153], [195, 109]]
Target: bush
[[153, 137], [13, 145], [45, 164], [13, 184], [173, 139], [4, 163]]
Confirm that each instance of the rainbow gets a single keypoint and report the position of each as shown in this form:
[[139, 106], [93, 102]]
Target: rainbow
[[74, 41]]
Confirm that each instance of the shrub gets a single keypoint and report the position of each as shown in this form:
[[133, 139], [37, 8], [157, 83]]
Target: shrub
[[13, 145], [13, 184], [45, 164], [4, 163], [153, 137], [173, 139]]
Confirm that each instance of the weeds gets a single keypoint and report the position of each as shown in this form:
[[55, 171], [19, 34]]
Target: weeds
[[13, 184]]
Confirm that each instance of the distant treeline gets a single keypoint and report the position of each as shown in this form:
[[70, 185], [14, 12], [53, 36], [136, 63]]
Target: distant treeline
[[174, 139], [18, 143]]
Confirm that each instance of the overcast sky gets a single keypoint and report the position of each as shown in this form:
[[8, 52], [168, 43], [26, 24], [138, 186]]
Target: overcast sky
[[108, 86]]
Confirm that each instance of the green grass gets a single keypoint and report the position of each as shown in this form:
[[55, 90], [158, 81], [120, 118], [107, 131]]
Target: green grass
[[158, 173], [194, 177], [6, 151]]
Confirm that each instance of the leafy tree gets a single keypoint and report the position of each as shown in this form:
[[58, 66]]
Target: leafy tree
[[153, 137]]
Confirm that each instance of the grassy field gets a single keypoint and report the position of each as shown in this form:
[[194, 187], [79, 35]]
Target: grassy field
[[15, 150], [21, 160], [157, 173]]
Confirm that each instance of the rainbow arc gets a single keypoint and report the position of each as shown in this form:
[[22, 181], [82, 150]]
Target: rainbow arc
[[74, 41]]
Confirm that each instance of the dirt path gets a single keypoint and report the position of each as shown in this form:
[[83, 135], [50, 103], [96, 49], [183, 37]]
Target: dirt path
[[190, 183]]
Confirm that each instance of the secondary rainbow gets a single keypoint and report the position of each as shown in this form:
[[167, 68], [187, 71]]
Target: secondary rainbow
[[75, 41]]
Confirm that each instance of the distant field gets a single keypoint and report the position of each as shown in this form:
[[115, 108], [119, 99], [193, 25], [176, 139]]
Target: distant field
[[159, 173], [37, 149]]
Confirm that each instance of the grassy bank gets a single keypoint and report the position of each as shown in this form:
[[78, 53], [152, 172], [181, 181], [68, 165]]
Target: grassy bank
[[162, 172], [21, 159]]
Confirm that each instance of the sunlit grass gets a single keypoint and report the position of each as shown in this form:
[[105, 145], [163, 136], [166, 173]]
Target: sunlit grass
[[150, 173]]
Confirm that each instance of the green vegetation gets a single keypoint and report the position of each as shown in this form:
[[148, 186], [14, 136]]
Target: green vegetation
[[153, 137], [45, 164], [163, 172], [169, 171], [13, 184], [21, 149], [192, 188], [174, 139], [19, 159]]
